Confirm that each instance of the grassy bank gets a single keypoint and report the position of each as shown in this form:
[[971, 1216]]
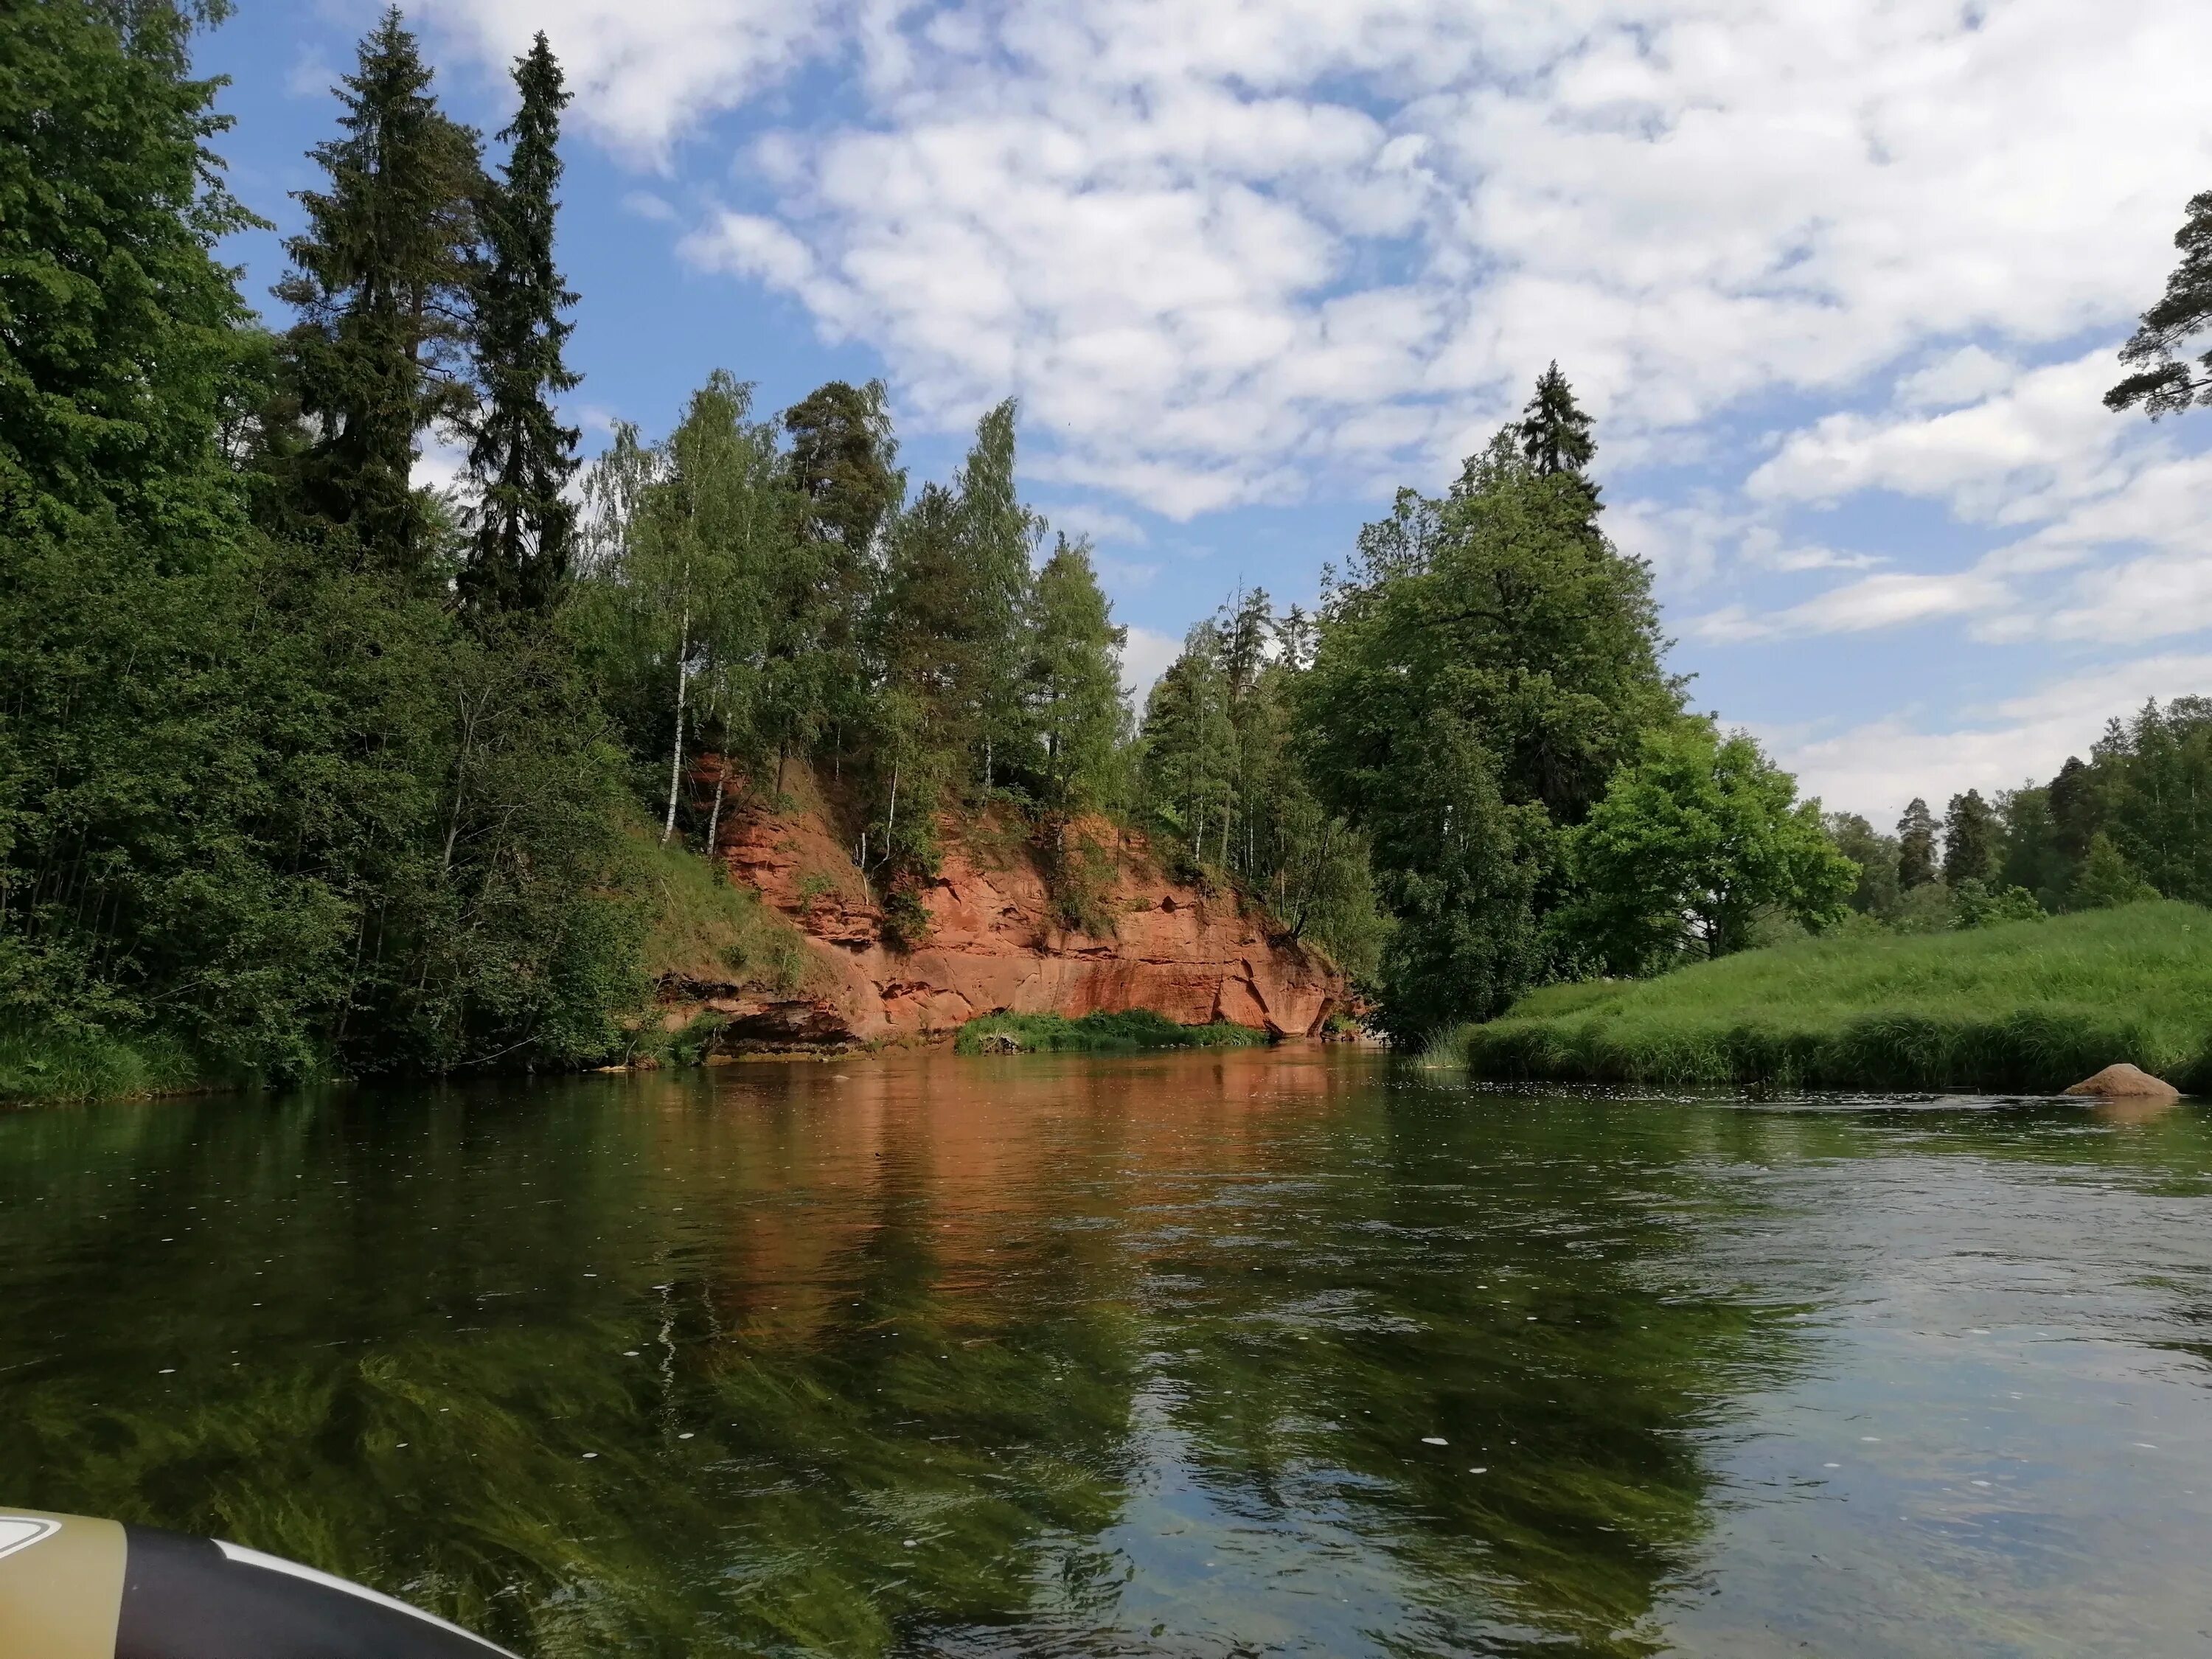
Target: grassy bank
[[48, 1064], [2031, 1006], [1099, 1033]]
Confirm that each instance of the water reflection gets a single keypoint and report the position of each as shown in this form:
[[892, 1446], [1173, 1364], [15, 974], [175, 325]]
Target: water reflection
[[1276, 1352]]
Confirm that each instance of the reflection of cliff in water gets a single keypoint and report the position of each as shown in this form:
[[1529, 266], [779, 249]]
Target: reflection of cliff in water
[[896, 1354]]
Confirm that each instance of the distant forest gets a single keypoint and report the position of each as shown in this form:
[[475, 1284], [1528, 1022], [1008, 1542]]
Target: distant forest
[[306, 770]]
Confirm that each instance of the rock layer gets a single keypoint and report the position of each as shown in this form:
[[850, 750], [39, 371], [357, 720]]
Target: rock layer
[[994, 943]]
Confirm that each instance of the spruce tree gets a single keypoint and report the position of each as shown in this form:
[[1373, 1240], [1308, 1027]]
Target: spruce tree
[[1970, 840], [1555, 433], [1915, 846], [520, 456], [2164, 383], [381, 279]]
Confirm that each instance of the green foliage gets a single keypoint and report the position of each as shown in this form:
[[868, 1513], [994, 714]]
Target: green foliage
[[1977, 904], [50, 1061], [382, 281], [1075, 684], [2031, 1005], [1915, 846], [118, 331], [1879, 892], [1700, 834], [1970, 840], [520, 457], [2165, 381], [1221, 781], [1488, 664], [264, 810], [1097, 1033], [2106, 879], [705, 931]]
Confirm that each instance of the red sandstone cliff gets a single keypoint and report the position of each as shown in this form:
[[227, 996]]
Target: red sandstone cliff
[[994, 943]]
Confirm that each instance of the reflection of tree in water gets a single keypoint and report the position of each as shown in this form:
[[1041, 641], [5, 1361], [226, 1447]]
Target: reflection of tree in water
[[970, 1305], [810, 1398], [1525, 1287]]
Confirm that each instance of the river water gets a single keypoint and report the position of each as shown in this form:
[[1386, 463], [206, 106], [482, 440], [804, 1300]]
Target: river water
[[1297, 1352]]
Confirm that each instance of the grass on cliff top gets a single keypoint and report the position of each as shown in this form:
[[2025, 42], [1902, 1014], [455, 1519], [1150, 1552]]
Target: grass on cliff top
[[1098, 1033], [703, 930], [2030, 1006]]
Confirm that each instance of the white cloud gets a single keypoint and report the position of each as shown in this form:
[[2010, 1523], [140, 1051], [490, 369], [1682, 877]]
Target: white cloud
[[644, 204], [2043, 441], [1145, 656], [1876, 767], [1955, 378], [1101, 525], [1233, 251], [647, 71], [1889, 600]]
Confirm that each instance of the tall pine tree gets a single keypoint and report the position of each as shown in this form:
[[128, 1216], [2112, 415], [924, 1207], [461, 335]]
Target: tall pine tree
[[520, 456], [2165, 382], [382, 280], [1915, 846]]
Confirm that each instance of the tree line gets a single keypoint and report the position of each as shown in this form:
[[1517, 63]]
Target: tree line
[[309, 769], [2132, 822], [1470, 768]]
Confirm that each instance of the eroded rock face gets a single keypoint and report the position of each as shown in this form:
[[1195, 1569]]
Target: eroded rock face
[[995, 945]]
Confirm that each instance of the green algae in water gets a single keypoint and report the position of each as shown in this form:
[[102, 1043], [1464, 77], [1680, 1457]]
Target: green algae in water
[[1196, 1354]]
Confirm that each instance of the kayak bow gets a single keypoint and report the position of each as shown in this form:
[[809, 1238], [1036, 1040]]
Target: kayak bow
[[77, 1589]]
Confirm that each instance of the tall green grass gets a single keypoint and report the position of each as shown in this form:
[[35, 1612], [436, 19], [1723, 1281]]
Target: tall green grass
[[49, 1063], [2030, 1006], [704, 930], [1097, 1033]]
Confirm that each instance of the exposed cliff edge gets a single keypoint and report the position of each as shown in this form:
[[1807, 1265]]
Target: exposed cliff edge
[[994, 943]]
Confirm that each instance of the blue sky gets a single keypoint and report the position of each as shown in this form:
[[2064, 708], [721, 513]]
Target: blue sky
[[1842, 280]]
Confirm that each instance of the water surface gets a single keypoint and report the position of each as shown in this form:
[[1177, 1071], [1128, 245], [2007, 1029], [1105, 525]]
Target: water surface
[[1292, 1352]]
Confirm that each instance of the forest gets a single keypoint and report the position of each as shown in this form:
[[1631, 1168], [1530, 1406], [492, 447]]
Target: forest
[[308, 770]]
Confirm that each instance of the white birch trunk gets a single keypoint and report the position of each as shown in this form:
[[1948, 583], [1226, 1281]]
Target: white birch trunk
[[675, 758]]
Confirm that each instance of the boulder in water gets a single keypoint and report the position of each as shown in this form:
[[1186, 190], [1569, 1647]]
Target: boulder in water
[[2125, 1082]]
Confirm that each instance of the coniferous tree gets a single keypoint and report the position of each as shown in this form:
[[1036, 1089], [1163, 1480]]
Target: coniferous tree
[[1970, 840], [520, 456], [2165, 382], [1076, 683], [382, 280], [1555, 434], [1915, 846], [843, 463]]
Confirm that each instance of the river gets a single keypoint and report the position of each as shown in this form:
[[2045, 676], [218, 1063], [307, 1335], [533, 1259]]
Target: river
[[1296, 1352]]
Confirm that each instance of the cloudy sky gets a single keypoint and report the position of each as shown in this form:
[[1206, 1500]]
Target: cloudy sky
[[1841, 279]]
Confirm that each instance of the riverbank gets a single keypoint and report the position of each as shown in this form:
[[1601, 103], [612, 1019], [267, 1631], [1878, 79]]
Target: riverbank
[[2030, 1006], [50, 1065], [1134, 1030]]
